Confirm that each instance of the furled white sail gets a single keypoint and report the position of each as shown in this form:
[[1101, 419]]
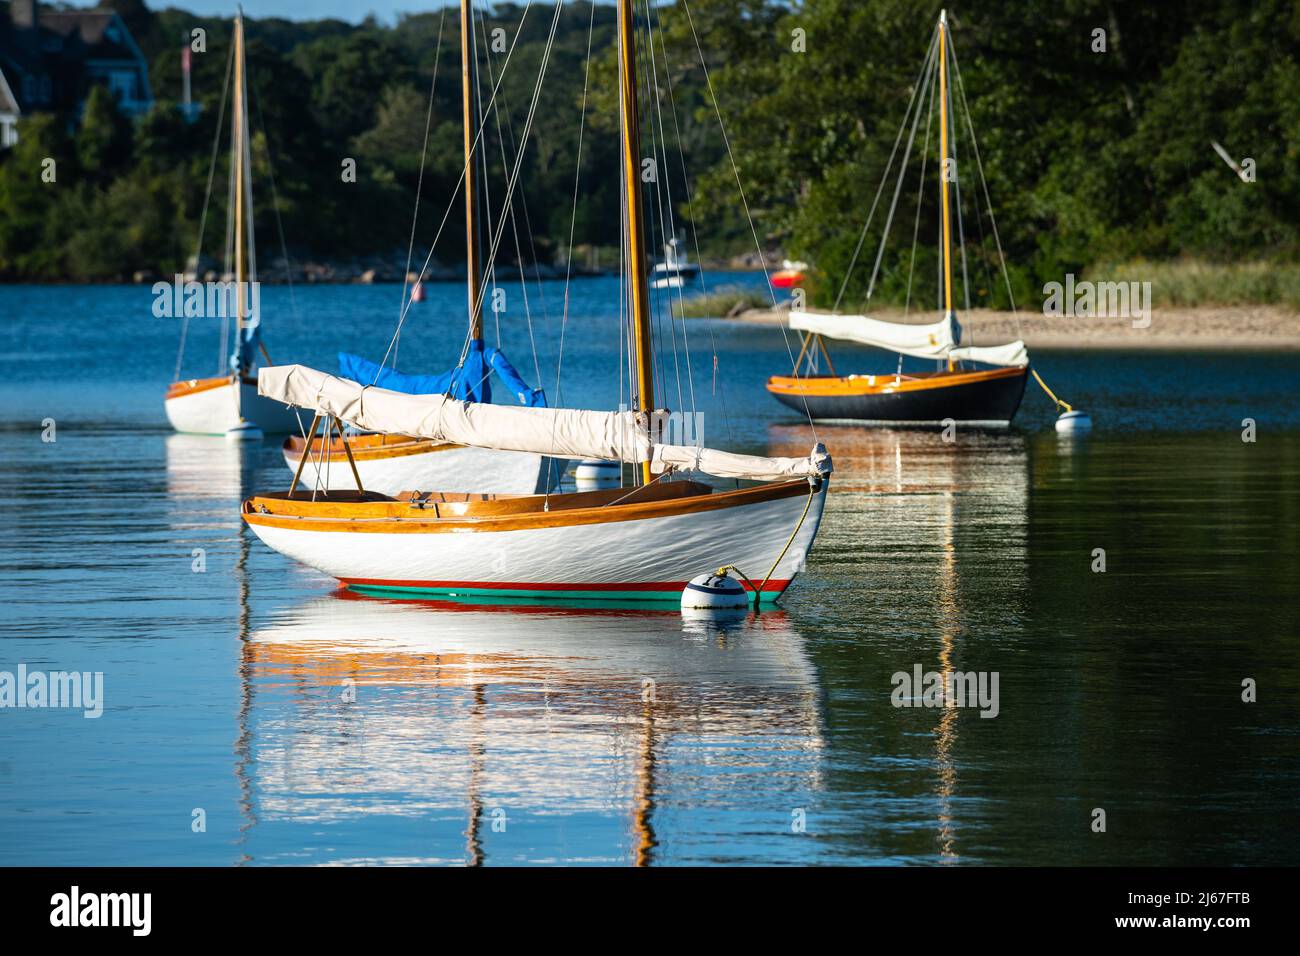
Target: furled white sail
[[922, 341], [1013, 353], [558, 432], [938, 340]]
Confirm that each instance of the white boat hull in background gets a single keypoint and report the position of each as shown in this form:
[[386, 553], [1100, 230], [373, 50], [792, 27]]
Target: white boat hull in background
[[456, 468], [210, 407]]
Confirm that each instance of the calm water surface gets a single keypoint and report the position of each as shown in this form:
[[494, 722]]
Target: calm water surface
[[312, 726]]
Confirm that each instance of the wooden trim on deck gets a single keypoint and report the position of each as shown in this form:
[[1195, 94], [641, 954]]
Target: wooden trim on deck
[[447, 512]]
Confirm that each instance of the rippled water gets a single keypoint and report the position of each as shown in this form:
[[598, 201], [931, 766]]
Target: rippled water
[[314, 726]]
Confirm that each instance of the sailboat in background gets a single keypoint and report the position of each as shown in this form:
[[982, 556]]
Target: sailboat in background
[[981, 396], [229, 404], [393, 463], [640, 543]]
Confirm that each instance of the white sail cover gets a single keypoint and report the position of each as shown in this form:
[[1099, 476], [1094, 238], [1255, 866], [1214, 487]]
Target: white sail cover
[[922, 341], [1013, 353], [558, 432], [937, 340]]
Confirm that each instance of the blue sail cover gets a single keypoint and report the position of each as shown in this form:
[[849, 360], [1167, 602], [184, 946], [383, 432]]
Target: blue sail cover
[[247, 342], [468, 382]]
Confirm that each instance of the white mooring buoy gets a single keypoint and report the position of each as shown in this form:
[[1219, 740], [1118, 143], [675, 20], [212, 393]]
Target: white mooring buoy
[[244, 431], [718, 591], [593, 473], [1073, 421]]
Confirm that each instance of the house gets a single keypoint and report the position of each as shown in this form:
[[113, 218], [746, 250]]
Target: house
[[49, 59]]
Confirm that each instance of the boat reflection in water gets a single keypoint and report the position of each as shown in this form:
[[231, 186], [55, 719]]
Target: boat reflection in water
[[439, 732], [937, 532]]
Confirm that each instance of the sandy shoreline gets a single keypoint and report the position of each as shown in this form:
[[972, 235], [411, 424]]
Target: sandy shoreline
[[1212, 327]]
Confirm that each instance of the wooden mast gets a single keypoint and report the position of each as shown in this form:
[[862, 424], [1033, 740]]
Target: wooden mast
[[638, 283], [468, 84], [944, 167], [237, 134]]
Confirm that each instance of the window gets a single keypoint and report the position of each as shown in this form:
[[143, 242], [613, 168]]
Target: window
[[122, 85]]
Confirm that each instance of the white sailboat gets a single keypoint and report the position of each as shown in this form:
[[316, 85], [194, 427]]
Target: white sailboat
[[392, 463], [644, 542], [229, 403], [676, 271]]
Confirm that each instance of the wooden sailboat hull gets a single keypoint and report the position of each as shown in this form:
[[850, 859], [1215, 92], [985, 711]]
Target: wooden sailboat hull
[[209, 406], [390, 464], [598, 545], [986, 398]]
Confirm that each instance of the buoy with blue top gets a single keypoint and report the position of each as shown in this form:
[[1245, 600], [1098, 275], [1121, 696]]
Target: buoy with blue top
[[1073, 422], [718, 591]]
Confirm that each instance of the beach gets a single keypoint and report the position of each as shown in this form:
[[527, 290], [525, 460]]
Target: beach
[[1246, 327]]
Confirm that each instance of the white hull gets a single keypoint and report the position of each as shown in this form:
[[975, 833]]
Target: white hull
[[456, 468], [650, 558], [213, 411]]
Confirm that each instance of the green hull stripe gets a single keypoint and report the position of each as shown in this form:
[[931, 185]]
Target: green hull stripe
[[533, 595]]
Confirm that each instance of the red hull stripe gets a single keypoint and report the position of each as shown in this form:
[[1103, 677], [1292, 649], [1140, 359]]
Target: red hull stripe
[[772, 585]]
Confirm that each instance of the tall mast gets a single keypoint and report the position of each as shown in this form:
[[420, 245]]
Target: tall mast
[[468, 84], [237, 134], [944, 166], [639, 293]]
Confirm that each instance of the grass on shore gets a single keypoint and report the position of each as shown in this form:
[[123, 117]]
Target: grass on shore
[[1191, 283], [720, 303]]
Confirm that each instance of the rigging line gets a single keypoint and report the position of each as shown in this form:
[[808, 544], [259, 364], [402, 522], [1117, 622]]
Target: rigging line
[[514, 217], [961, 89], [916, 227], [573, 216], [275, 204], [735, 171], [695, 236], [657, 214], [528, 223], [406, 308], [227, 262], [528, 125], [956, 182], [671, 214], [898, 188], [207, 198], [419, 182], [922, 76], [979, 221]]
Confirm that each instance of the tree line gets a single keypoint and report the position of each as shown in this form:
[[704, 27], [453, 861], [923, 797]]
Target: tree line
[[1093, 152]]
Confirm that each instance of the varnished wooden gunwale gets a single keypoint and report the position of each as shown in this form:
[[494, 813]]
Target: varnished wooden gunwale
[[367, 447], [352, 512], [832, 385], [193, 386]]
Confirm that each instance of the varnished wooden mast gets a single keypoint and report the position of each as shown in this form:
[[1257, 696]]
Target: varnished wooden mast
[[468, 84], [638, 282], [944, 167]]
